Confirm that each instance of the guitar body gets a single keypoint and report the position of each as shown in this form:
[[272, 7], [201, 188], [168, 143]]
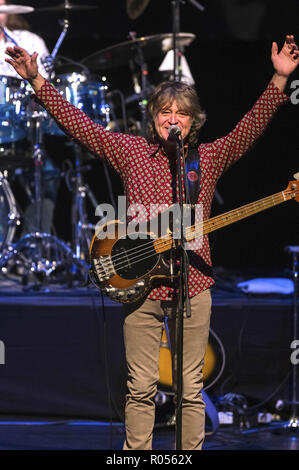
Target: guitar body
[[126, 267]]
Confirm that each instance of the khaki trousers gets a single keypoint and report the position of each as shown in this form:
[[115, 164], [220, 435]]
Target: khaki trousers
[[143, 329]]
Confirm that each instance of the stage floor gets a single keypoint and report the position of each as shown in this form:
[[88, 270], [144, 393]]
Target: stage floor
[[31, 433], [37, 422]]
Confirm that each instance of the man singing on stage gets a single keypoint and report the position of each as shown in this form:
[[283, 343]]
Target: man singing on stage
[[149, 174]]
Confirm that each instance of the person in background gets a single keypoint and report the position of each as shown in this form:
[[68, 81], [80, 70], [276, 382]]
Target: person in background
[[14, 31]]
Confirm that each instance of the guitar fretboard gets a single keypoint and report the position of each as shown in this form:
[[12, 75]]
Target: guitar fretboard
[[219, 221], [234, 215]]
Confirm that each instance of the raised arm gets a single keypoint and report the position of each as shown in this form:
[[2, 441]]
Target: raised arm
[[74, 122]]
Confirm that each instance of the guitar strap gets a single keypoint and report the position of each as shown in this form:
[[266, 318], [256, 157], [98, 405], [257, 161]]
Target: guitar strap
[[193, 175]]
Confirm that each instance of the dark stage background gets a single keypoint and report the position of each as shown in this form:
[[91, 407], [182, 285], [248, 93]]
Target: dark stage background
[[230, 61]]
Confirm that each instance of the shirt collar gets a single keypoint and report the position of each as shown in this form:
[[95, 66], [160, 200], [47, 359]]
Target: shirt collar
[[154, 149]]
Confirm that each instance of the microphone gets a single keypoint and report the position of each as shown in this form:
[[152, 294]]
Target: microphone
[[174, 130]]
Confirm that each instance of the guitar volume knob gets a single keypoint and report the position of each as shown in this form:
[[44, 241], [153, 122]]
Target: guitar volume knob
[[131, 291], [120, 293], [109, 290], [140, 284]]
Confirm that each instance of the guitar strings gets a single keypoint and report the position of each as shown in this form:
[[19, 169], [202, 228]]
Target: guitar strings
[[212, 224], [160, 242], [164, 244], [215, 220]]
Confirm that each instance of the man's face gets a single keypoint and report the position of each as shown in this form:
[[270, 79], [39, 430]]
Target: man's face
[[172, 115], [3, 16]]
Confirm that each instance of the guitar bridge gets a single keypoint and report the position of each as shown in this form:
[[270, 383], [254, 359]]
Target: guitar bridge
[[104, 267]]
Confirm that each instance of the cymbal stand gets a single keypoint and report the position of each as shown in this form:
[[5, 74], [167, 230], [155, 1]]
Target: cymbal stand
[[38, 159], [48, 62], [140, 90], [81, 228], [177, 53], [39, 254], [177, 71]]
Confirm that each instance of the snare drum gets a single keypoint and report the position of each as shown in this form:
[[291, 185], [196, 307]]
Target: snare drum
[[9, 216], [87, 95], [14, 96]]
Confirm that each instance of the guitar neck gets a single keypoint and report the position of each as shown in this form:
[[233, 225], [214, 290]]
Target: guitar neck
[[215, 223], [243, 212]]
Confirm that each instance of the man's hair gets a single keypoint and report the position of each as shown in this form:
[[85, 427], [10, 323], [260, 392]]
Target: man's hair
[[187, 100]]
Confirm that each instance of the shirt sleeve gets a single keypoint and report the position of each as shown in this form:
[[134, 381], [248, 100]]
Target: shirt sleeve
[[230, 148], [76, 124]]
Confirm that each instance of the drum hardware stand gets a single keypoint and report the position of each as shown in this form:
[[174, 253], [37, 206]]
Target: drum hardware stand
[[48, 62], [41, 254], [112, 111], [177, 72], [81, 229], [140, 90], [177, 53], [46, 244], [13, 216]]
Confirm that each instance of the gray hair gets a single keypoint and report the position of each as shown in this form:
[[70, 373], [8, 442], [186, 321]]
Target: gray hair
[[187, 99]]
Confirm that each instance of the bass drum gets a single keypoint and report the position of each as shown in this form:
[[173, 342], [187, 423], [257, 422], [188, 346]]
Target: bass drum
[[14, 98], [214, 362], [8, 213], [85, 94]]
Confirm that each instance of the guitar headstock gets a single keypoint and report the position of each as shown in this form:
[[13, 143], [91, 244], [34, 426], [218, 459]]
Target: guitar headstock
[[292, 191]]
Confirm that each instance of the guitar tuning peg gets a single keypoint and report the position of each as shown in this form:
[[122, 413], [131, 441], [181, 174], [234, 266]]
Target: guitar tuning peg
[[296, 176]]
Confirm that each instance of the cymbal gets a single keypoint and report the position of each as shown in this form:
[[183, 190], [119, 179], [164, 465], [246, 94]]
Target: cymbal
[[67, 6], [15, 9], [136, 7], [120, 54]]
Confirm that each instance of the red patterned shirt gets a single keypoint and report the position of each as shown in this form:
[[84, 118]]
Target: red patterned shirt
[[145, 171]]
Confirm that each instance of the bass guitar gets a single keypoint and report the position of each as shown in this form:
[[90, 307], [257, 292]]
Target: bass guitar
[[126, 269]]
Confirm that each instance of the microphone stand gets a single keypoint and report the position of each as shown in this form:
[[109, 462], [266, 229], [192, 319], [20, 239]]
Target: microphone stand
[[183, 296], [177, 71], [177, 53]]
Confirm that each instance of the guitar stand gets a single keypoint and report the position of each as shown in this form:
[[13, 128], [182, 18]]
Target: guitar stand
[[292, 425]]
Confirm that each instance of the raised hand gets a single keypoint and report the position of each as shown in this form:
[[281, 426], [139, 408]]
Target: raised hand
[[23, 63], [285, 61]]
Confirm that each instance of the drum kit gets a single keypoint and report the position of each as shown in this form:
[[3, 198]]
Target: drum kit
[[38, 255]]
